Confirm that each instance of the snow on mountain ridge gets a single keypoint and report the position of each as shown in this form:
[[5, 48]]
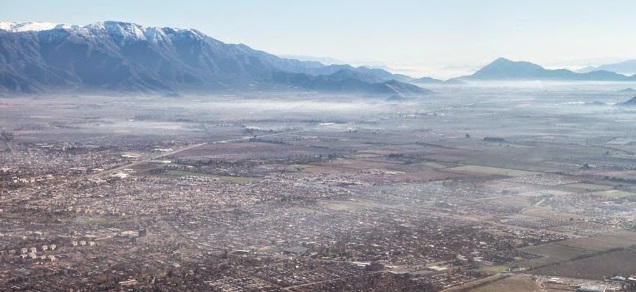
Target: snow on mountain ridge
[[124, 56], [5, 25], [28, 26], [127, 30]]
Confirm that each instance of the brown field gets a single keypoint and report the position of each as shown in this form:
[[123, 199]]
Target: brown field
[[557, 252], [622, 262], [518, 283], [551, 254], [548, 213], [350, 164], [421, 176], [516, 187], [583, 187], [512, 201], [486, 170], [351, 205], [373, 170], [625, 174], [603, 242], [442, 155], [246, 150], [564, 251], [615, 194]]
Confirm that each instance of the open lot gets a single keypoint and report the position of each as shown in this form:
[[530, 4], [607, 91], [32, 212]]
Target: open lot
[[597, 267], [483, 170], [570, 251], [519, 283]]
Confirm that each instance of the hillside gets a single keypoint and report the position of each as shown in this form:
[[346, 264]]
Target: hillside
[[120, 56]]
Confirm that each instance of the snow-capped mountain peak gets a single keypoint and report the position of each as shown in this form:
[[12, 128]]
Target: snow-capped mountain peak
[[125, 30], [122, 56], [30, 26]]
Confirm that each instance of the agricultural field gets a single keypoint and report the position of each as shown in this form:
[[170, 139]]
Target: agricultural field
[[485, 170], [585, 188], [551, 254], [571, 250], [518, 283], [621, 262], [615, 194]]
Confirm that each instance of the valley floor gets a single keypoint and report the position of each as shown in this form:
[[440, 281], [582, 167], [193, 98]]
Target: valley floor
[[476, 189]]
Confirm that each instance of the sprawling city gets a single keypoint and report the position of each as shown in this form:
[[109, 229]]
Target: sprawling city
[[219, 193]]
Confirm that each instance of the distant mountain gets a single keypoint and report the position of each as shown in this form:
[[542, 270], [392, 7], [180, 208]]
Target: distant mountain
[[626, 67], [120, 56], [428, 80], [323, 60], [504, 69], [631, 102], [347, 81]]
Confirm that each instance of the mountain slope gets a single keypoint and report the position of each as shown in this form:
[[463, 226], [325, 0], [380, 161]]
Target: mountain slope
[[631, 102], [428, 80], [504, 69], [627, 67], [119, 56], [342, 81]]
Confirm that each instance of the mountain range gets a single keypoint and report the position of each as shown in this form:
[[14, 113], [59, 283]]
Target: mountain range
[[504, 69], [127, 57], [626, 67], [121, 56]]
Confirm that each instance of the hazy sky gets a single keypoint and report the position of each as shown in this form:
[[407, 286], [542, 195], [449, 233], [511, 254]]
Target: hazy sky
[[437, 38]]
